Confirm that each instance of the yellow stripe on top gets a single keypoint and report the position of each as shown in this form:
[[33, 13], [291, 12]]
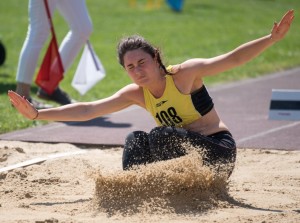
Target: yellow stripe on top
[[173, 108]]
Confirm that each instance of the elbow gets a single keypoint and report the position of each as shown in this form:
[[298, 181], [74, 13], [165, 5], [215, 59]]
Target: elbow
[[238, 60], [84, 113], [87, 114]]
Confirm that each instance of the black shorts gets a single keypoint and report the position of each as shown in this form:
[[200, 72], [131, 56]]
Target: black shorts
[[163, 143]]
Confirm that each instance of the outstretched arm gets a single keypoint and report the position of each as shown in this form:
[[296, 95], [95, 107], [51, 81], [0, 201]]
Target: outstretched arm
[[241, 54], [80, 111]]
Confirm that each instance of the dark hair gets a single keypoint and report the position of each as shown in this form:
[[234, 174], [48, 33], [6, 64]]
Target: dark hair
[[138, 42]]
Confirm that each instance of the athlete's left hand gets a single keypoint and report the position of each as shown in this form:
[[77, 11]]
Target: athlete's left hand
[[280, 29]]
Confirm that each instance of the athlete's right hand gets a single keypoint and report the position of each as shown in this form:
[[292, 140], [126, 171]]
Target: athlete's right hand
[[22, 105]]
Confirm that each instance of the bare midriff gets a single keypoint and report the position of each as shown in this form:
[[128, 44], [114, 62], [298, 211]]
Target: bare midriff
[[207, 124]]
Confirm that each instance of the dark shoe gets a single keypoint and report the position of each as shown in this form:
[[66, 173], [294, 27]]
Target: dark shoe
[[38, 104], [57, 96]]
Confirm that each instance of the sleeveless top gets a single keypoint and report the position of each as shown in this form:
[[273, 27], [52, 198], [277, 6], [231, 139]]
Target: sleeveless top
[[176, 109]]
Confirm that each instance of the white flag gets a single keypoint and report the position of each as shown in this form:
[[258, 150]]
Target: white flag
[[89, 70]]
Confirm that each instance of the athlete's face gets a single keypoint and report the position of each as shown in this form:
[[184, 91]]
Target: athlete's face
[[140, 66]]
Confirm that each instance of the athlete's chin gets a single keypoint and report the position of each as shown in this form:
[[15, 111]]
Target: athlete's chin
[[142, 82]]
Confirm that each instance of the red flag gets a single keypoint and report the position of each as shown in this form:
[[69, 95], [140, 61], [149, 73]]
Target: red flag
[[51, 70]]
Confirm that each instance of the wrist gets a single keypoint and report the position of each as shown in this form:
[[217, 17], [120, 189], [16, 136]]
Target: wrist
[[271, 38], [37, 114]]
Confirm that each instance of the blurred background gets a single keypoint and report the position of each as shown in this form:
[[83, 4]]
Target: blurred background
[[201, 28]]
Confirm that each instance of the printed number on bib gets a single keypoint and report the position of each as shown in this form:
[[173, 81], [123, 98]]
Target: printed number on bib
[[169, 117]]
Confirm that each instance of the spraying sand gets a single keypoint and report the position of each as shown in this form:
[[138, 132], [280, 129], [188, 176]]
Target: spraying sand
[[91, 187]]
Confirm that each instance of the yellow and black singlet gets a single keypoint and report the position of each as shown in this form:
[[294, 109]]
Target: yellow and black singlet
[[176, 109]]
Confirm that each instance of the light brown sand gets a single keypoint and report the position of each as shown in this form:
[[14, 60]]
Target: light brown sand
[[91, 187]]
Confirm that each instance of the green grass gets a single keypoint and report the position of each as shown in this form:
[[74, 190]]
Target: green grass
[[205, 28]]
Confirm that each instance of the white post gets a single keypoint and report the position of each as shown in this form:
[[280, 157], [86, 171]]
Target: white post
[[285, 104]]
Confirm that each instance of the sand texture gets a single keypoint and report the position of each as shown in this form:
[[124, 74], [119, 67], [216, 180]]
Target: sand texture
[[91, 187]]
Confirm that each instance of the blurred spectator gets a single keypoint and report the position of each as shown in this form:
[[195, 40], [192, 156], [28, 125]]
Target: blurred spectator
[[80, 24]]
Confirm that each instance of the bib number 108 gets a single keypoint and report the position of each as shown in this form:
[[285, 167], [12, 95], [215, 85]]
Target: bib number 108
[[169, 117]]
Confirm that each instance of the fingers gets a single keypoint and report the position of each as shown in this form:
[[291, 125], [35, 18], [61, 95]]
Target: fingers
[[291, 20], [15, 98], [13, 102], [12, 94], [12, 98], [280, 29], [288, 17]]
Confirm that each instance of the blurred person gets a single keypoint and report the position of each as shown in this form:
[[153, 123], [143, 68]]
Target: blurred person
[[76, 15], [175, 96], [175, 5]]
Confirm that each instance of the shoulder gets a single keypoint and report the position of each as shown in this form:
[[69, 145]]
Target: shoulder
[[191, 67], [130, 88], [188, 75], [133, 93]]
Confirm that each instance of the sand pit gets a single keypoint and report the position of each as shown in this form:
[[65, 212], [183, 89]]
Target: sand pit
[[91, 187]]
